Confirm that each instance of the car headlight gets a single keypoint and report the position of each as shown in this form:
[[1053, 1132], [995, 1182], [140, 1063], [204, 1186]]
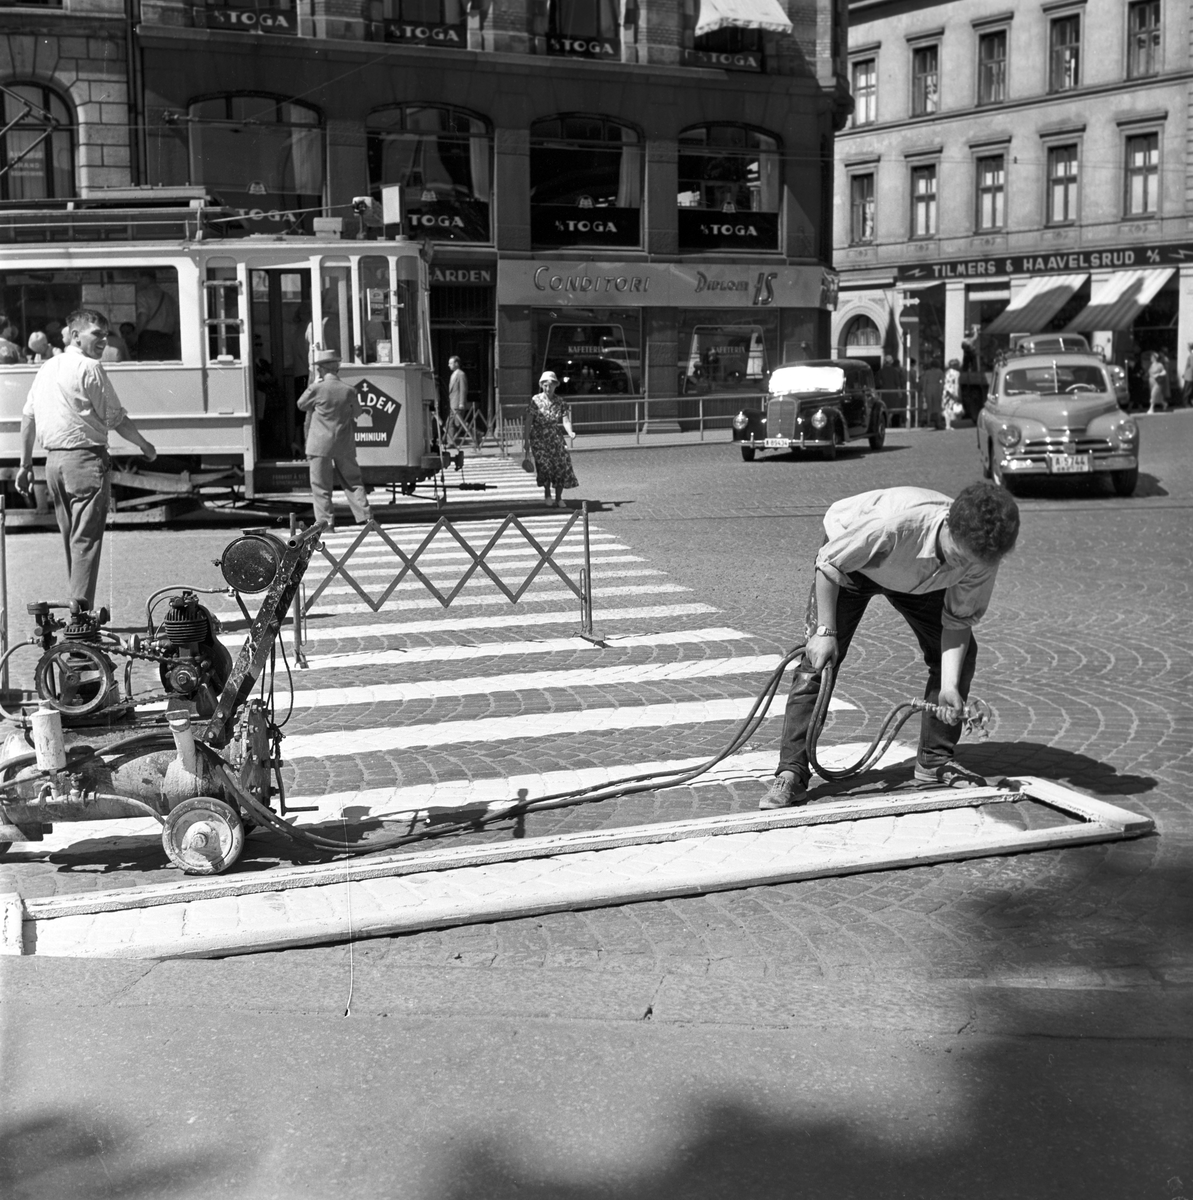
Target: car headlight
[[1009, 436], [819, 419], [1127, 430], [740, 421]]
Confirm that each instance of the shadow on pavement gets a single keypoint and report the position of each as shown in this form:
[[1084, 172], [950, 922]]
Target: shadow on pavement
[[66, 1153]]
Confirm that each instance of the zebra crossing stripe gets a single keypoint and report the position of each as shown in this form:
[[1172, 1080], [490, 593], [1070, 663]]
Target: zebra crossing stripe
[[426, 654], [447, 624], [622, 675], [338, 743]]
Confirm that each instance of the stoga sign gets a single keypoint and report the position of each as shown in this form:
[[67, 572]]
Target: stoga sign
[[679, 285], [250, 20]]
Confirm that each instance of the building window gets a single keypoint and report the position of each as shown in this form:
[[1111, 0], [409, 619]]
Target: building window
[[37, 143], [864, 80], [260, 156], [1143, 175], [594, 351], [925, 80], [423, 22], [1143, 39], [584, 28], [923, 201], [442, 159], [585, 182], [1064, 63], [862, 331], [992, 67], [1062, 185], [248, 16], [992, 192], [861, 209], [729, 189]]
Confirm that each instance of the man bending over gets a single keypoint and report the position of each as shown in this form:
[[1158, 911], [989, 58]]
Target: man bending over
[[935, 560]]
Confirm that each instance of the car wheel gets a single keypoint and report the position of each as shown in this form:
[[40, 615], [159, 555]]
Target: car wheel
[[747, 454], [1125, 481], [1000, 477], [878, 437]]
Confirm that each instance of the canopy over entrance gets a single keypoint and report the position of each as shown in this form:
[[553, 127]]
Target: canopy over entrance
[[1040, 301], [1117, 302], [742, 14]]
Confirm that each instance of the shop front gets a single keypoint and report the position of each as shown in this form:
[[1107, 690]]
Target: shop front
[[463, 326], [692, 337]]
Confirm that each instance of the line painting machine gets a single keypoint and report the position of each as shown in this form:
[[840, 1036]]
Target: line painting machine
[[201, 754]]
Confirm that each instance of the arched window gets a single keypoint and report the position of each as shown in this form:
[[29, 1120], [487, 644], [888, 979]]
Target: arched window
[[442, 158], [729, 188], [585, 182], [862, 331], [38, 125], [260, 155]]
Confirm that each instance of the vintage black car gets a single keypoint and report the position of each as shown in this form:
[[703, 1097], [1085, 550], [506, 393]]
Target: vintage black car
[[814, 405]]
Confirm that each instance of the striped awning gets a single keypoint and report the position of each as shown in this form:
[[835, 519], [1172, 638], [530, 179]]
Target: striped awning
[[1117, 302], [1036, 305], [742, 14]]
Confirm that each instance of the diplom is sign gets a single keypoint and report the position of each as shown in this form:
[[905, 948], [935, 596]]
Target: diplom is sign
[[679, 285], [375, 426], [1058, 262]]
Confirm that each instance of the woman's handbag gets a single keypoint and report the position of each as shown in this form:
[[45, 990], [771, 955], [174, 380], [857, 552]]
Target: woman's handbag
[[528, 463]]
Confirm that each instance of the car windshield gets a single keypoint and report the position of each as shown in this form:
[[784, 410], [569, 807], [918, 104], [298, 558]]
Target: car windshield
[[805, 378], [1053, 379]]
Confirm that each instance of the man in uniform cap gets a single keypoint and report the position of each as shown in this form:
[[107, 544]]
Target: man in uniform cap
[[330, 444]]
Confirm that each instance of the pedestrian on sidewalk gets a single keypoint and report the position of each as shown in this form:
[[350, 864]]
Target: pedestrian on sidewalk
[[71, 408], [933, 384], [936, 561], [1187, 379], [331, 442], [1157, 378], [951, 404], [548, 422], [457, 401]]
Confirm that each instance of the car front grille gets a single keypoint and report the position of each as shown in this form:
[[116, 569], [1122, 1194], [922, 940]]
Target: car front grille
[[780, 418], [1060, 444]]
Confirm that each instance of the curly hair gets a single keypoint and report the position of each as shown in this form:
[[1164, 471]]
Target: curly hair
[[986, 520]]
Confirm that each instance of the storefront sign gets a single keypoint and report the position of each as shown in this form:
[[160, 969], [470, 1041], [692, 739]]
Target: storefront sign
[[1058, 263], [463, 275], [578, 47], [411, 32], [375, 426], [569, 225], [268, 212], [445, 218], [740, 60], [677, 285], [250, 20], [706, 229]]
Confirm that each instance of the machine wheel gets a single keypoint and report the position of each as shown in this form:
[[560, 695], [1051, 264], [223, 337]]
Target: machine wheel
[[203, 836], [878, 437], [829, 452], [1124, 481], [74, 678], [747, 454]]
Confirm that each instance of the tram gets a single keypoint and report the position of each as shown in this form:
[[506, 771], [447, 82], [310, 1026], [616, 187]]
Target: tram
[[212, 337]]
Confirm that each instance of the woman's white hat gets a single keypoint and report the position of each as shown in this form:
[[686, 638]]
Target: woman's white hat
[[548, 377]]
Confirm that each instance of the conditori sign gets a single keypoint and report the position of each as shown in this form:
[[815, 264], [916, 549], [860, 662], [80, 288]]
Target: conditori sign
[[673, 285]]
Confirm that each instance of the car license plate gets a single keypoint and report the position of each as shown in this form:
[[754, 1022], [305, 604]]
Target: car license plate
[[775, 443], [1069, 464]]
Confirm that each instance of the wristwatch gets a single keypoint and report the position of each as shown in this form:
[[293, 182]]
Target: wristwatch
[[824, 631]]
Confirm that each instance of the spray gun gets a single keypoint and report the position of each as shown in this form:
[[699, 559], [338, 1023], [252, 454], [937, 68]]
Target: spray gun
[[974, 716]]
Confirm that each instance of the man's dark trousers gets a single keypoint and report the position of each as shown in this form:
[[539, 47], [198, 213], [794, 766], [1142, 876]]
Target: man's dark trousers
[[922, 612], [80, 485]]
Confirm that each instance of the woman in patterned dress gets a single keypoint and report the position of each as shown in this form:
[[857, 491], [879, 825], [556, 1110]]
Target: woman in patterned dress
[[548, 421]]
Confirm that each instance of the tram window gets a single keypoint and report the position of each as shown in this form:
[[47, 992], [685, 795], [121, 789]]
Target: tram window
[[140, 303], [376, 320], [335, 292], [406, 297], [223, 315]]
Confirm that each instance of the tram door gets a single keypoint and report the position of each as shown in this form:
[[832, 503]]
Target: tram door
[[281, 321]]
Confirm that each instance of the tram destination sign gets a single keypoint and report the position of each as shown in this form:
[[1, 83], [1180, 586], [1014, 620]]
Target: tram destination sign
[[1059, 262]]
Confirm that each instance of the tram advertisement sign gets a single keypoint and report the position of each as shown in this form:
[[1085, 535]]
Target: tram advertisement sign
[[375, 426], [1057, 262]]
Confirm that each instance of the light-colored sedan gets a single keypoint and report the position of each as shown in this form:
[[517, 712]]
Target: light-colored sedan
[[1056, 414]]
